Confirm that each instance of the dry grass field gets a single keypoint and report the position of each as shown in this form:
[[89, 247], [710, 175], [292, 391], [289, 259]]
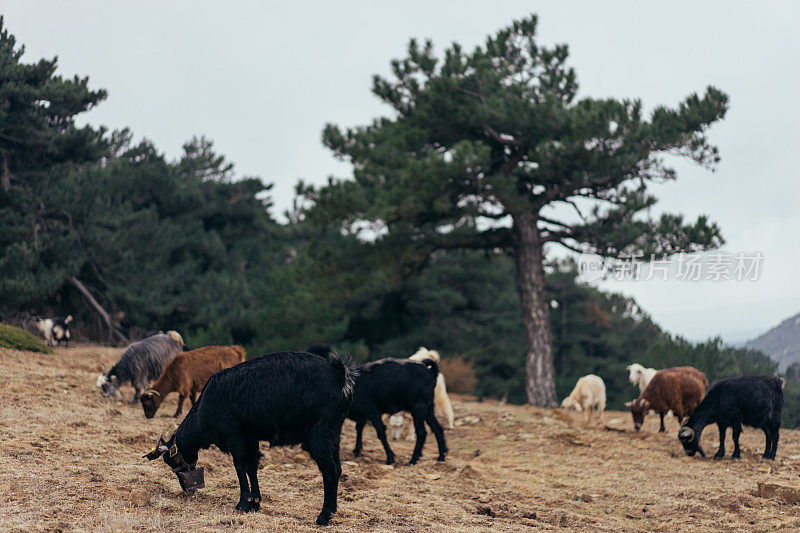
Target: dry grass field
[[71, 460]]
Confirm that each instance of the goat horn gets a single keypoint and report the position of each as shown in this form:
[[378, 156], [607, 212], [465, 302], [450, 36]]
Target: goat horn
[[105, 368], [152, 391], [686, 433]]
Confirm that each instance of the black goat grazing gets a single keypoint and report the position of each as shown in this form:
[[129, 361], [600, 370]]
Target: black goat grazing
[[286, 398], [754, 401], [392, 385]]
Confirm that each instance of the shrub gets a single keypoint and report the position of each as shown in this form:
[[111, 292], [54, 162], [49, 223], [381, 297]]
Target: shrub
[[459, 374], [19, 339], [216, 334]]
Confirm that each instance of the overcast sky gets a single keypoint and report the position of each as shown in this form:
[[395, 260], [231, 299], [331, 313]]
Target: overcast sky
[[262, 78]]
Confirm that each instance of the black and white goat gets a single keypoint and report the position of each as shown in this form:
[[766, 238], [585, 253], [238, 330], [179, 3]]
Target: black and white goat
[[141, 363], [54, 330], [285, 398], [392, 385], [754, 401]]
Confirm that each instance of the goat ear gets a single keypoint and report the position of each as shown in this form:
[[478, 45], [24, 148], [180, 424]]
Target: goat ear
[[628, 368], [645, 404], [157, 452]]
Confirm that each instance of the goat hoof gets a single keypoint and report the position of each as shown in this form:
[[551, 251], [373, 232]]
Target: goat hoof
[[324, 518], [247, 507], [718, 456], [440, 458], [767, 457], [390, 460], [356, 452], [413, 461]]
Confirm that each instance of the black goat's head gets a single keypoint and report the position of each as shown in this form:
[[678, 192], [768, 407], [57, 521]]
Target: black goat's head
[[189, 475], [691, 441]]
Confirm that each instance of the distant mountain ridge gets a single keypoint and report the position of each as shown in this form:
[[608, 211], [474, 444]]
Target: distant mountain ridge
[[781, 343]]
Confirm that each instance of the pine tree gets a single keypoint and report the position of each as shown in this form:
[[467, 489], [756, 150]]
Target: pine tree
[[39, 143], [493, 149]]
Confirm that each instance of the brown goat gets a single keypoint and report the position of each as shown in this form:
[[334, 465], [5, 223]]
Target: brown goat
[[187, 374], [679, 389]]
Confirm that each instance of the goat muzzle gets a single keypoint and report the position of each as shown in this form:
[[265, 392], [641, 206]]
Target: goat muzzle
[[190, 476], [192, 479]]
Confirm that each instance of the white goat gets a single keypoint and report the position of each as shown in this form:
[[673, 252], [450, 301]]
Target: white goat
[[45, 327], [440, 398], [639, 375], [588, 396], [398, 426]]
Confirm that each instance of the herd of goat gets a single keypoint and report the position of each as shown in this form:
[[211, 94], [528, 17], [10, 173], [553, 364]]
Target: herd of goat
[[290, 398], [285, 398], [754, 401]]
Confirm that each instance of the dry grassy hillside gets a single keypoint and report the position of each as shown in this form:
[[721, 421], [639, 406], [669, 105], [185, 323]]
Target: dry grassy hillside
[[71, 460]]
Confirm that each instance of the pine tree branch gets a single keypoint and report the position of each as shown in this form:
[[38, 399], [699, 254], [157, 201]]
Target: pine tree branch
[[472, 93], [113, 332], [554, 222], [492, 134], [562, 242]]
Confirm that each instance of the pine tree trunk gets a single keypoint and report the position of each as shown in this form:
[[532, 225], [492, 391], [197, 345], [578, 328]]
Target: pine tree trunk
[[539, 371]]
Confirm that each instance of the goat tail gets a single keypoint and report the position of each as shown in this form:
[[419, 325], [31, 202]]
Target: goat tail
[[349, 372], [240, 351], [431, 365]]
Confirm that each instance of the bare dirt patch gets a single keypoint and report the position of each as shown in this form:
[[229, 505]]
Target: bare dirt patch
[[70, 460]]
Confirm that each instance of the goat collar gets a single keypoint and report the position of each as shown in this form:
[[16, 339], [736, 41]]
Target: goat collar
[[183, 465]]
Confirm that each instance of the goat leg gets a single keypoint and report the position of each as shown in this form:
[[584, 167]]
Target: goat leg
[[253, 456], [438, 432], [245, 504], [721, 451], [422, 433], [736, 430], [181, 399], [328, 464], [359, 435], [380, 429]]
